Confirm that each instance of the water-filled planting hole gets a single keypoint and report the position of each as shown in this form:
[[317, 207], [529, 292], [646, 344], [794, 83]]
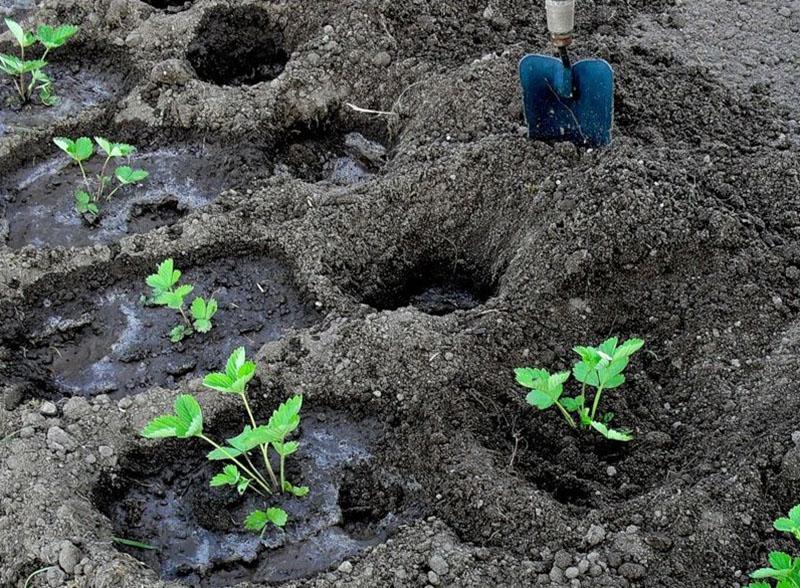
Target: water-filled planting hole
[[78, 86], [434, 289], [237, 46], [198, 531], [110, 341], [40, 207]]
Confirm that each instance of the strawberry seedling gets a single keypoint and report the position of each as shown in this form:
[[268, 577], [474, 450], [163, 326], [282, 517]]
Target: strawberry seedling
[[600, 368], [167, 292], [100, 187], [28, 75], [784, 569], [241, 473]]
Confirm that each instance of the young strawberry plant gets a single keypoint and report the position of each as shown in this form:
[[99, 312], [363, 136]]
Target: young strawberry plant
[[166, 291], [600, 368], [28, 75], [784, 569], [241, 473], [102, 186]]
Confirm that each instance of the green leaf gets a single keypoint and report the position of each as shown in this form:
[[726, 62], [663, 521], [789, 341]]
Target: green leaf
[[606, 348], [223, 453], [759, 585], [539, 399], [531, 377], [79, 150], [572, 404], [611, 434], [84, 204], [628, 348], [780, 560], [220, 382], [114, 149], [286, 418], [235, 362], [54, 37], [277, 516], [298, 491], [256, 520], [23, 39], [229, 476], [242, 486], [178, 333], [589, 355], [585, 374], [190, 414], [202, 312], [794, 515], [767, 573], [127, 175], [162, 427], [785, 525], [286, 449]]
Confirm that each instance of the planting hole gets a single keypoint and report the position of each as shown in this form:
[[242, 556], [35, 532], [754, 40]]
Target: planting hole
[[110, 342], [198, 530], [340, 159], [170, 5], [40, 205], [430, 289], [78, 87], [237, 46]]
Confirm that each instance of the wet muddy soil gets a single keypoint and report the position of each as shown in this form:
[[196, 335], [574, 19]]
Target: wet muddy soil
[[40, 205], [114, 342], [77, 87], [197, 531]]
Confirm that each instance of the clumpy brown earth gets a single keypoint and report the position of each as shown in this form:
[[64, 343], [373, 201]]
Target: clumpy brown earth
[[427, 257]]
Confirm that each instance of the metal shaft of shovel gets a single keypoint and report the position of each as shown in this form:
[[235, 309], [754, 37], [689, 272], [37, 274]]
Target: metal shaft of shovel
[[565, 101]]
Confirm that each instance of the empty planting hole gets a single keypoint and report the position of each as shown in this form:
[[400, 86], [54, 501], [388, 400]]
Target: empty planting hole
[[432, 288], [236, 47], [170, 5]]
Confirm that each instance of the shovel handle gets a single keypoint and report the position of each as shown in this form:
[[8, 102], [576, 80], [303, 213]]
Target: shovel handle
[[560, 21]]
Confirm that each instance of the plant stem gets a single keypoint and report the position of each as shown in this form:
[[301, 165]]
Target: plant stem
[[596, 402], [263, 447], [114, 191], [244, 468], [567, 416], [21, 89], [283, 479], [103, 180], [185, 318], [85, 179]]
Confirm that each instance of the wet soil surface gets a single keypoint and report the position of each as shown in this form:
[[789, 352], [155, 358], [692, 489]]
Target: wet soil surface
[[40, 205], [77, 87], [197, 531], [112, 342]]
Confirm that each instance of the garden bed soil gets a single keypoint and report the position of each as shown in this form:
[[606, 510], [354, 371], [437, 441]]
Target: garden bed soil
[[467, 251]]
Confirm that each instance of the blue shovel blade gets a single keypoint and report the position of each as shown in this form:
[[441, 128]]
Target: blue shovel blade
[[568, 104]]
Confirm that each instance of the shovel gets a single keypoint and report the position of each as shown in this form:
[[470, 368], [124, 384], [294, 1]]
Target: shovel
[[566, 101]]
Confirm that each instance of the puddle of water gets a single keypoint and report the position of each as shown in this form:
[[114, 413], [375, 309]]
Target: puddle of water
[[169, 511], [109, 342], [40, 199], [78, 89]]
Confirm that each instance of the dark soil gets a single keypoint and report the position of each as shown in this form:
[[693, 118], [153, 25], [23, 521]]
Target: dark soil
[[237, 46], [111, 342], [197, 531], [440, 250], [40, 206], [77, 87]]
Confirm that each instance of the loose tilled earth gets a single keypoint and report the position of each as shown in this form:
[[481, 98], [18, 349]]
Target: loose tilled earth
[[394, 269]]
